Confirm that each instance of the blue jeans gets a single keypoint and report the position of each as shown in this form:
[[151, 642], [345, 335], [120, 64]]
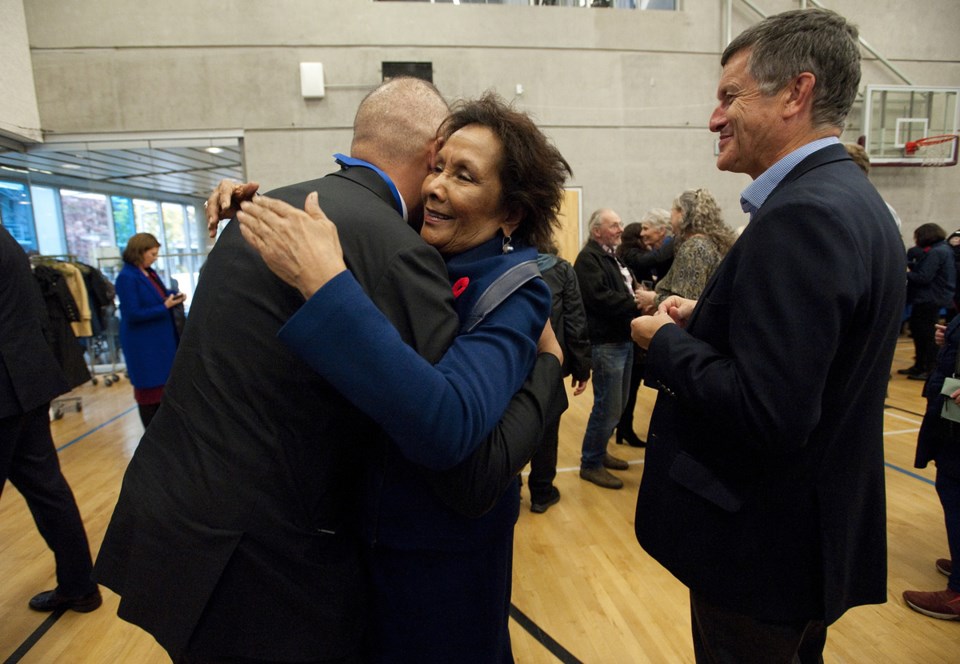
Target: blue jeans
[[948, 488], [611, 386]]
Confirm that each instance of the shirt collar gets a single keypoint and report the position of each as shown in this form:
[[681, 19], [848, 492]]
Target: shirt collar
[[398, 202], [755, 195]]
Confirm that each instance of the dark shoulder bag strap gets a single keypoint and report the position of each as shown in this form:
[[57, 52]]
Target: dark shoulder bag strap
[[502, 287]]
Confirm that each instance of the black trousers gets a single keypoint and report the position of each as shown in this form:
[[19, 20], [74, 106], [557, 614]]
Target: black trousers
[[923, 322], [147, 411], [29, 460], [722, 636], [543, 465], [636, 378]]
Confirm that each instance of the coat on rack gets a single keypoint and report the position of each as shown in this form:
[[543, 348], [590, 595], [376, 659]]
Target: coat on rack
[[61, 311]]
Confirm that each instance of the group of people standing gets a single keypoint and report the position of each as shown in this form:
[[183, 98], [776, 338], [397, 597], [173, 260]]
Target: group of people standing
[[666, 254], [332, 475], [933, 265]]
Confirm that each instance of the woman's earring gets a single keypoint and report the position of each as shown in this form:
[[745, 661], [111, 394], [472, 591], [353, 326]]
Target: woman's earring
[[507, 246]]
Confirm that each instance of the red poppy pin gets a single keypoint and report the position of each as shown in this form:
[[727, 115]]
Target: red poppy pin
[[460, 285]]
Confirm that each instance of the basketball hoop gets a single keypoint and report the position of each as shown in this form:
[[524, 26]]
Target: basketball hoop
[[933, 150]]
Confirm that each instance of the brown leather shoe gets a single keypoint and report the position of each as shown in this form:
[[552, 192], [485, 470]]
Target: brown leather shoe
[[52, 600], [601, 477], [613, 463], [942, 604]]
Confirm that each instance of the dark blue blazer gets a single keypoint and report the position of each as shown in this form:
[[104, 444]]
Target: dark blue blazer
[[763, 486], [147, 333]]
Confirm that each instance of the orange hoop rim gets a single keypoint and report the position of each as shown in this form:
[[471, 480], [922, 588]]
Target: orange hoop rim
[[911, 147]]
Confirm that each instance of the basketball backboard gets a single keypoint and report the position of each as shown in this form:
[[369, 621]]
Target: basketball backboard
[[897, 116]]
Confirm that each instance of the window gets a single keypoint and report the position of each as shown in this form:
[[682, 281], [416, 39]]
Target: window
[[46, 216], [123, 223], [180, 260], [94, 228], [87, 224], [174, 226], [16, 214], [147, 216]]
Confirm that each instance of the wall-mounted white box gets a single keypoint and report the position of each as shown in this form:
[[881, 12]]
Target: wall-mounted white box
[[311, 80]]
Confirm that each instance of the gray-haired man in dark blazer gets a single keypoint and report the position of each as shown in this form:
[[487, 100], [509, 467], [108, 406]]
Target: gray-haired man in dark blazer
[[763, 489]]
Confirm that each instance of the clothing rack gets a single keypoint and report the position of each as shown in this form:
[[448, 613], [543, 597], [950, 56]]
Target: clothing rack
[[40, 258], [59, 405]]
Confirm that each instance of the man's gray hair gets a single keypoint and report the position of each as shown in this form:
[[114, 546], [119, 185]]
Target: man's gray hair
[[595, 219], [814, 40]]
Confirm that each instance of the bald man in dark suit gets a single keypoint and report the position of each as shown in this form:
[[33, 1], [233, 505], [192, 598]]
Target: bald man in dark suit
[[236, 532]]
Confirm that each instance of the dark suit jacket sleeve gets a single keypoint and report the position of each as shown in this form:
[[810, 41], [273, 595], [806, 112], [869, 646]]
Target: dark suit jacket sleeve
[[474, 486], [766, 390], [641, 261], [576, 337]]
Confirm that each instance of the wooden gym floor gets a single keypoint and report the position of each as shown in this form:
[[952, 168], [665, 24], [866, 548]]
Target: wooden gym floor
[[583, 588]]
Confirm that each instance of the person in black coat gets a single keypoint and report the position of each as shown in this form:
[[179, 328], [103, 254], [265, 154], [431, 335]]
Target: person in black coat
[[609, 296], [569, 321], [647, 246], [931, 281], [30, 378], [953, 241], [939, 441], [763, 484], [648, 264]]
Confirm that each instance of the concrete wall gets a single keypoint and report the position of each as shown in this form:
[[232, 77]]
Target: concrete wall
[[19, 117], [625, 94]]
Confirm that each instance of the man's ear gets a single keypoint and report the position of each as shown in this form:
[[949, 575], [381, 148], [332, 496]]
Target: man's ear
[[432, 149], [798, 95]]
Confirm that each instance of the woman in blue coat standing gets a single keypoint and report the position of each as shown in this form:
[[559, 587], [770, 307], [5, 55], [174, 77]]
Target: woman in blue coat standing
[[148, 335]]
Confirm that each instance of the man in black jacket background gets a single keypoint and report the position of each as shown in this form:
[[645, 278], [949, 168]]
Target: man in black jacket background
[[608, 290]]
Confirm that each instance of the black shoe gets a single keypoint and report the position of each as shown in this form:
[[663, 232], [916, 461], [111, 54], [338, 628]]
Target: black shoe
[[541, 506], [52, 600], [908, 372], [918, 376], [630, 438]]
